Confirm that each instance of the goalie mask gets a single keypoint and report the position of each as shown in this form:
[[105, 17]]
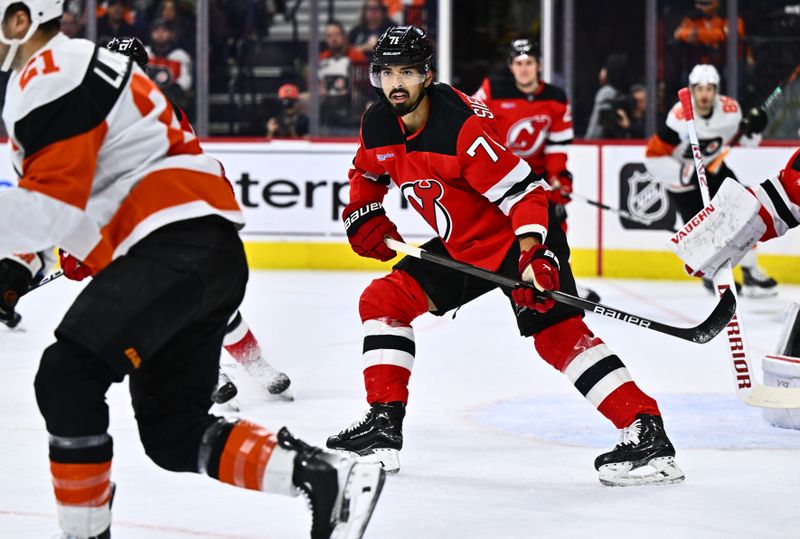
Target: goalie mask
[[41, 11], [405, 46]]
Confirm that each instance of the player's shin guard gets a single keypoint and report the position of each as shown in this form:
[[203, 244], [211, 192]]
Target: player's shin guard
[[596, 371], [387, 308], [81, 470]]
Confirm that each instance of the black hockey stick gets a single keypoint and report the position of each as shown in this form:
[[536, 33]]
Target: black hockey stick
[[700, 334], [13, 319], [619, 211]]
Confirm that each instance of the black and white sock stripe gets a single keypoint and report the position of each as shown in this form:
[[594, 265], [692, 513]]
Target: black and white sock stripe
[[597, 373], [387, 344]]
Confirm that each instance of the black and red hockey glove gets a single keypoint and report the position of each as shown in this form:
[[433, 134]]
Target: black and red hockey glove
[[560, 187], [73, 268], [15, 279], [538, 266], [366, 225]]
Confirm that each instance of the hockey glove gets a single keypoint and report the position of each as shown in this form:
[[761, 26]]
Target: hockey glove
[[15, 279], [366, 225], [539, 266], [561, 187], [754, 122], [73, 268]]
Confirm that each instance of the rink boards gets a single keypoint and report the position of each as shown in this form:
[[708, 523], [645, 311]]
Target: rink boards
[[293, 192]]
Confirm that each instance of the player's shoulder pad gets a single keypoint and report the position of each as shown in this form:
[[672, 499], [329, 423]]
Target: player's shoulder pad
[[450, 104], [379, 127], [553, 93], [52, 72]]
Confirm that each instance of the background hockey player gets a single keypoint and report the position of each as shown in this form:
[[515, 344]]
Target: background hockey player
[[669, 159], [107, 173], [239, 341], [489, 209], [534, 120]]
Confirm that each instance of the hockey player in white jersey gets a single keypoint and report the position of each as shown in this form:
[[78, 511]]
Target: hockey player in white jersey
[[107, 173], [669, 159]]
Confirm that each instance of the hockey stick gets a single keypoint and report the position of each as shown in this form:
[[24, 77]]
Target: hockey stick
[[714, 165], [747, 387], [13, 319], [619, 211], [700, 334]]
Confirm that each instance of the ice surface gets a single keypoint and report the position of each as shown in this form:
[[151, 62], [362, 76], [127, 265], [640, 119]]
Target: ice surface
[[497, 444]]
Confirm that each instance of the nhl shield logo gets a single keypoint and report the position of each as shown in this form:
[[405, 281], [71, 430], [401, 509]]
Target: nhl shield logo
[[425, 197], [647, 198]]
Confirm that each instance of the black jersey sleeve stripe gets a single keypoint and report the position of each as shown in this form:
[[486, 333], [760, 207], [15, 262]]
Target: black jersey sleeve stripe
[[780, 205], [519, 187], [559, 142], [76, 112]]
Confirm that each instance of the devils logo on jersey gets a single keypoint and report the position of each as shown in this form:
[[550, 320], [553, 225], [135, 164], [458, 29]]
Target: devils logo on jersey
[[528, 135], [425, 197]]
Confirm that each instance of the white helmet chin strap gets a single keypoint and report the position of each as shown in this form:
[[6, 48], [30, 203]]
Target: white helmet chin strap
[[13, 45]]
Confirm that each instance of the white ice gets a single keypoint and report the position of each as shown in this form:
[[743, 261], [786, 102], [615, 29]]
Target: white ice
[[497, 444]]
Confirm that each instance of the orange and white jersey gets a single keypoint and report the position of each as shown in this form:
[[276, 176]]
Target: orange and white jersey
[[101, 157], [669, 148]]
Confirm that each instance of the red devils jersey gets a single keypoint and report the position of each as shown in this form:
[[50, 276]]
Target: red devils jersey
[[474, 194], [534, 126]]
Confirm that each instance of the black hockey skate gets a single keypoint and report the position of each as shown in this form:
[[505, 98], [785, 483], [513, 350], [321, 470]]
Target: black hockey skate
[[757, 284], [225, 390], [643, 443], [341, 491], [378, 435]]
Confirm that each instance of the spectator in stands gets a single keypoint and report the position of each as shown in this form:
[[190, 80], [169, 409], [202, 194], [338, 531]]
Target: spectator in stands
[[182, 23], [114, 22], [704, 32], [70, 25], [291, 123], [604, 120], [406, 11], [336, 65], [373, 22], [169, 66]]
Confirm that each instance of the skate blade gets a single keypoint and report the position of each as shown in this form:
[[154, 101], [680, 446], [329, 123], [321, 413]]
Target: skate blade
[[754, 292], [388, 458], [361, 493], [665, 472]]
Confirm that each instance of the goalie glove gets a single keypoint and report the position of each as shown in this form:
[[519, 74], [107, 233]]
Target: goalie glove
[[725, 230]]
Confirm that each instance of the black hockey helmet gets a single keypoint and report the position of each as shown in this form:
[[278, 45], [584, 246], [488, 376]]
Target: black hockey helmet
[[129, 46], [402, 45], [523, 47]]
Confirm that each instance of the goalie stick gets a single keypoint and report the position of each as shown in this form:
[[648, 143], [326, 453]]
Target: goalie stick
[[747, 387], [700, 334]]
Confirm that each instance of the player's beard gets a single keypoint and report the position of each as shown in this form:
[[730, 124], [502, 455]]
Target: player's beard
[[408, 106]]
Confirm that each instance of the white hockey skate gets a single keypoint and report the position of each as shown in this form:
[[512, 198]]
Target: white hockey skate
[[275, 382], [644, 456]]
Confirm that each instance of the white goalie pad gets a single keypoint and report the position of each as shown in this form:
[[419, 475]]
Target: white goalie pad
[[726, 229], [783, 369]]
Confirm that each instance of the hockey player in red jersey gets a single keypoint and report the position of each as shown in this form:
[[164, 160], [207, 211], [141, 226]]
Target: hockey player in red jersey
[[534, 120], [489, 209], [107, 173], [239, 341]]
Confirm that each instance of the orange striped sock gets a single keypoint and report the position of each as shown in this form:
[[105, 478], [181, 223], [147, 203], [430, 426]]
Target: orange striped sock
[[245, 455], [83, 496]]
